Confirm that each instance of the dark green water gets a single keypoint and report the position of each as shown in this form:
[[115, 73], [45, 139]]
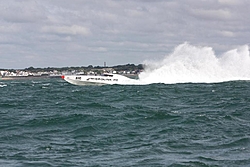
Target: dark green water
[[52, 123]]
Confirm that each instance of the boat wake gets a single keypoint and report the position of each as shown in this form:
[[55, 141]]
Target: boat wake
[[192, 64]]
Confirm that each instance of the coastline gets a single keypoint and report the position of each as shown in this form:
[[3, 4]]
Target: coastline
[[6, 78], [25, 77]]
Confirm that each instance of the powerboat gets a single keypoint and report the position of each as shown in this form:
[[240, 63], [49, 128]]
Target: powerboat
[[103, 79]]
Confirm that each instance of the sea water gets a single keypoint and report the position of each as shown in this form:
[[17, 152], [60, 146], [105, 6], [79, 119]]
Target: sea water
[[179, 121]]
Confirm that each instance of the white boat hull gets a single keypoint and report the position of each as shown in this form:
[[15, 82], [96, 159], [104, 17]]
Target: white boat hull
[[110, 79]]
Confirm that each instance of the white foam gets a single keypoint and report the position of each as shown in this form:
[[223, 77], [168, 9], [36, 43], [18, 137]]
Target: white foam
[[196, 64], [2, 85]]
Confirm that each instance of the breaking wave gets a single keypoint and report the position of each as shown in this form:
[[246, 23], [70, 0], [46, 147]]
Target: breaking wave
[[192, 64]]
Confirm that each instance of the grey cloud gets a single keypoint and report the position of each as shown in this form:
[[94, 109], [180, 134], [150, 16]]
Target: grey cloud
[[232, 2], [68, 30], [21, 11], [220, 14]]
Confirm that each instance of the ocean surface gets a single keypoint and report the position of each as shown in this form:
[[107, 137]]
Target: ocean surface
[[49, 122]]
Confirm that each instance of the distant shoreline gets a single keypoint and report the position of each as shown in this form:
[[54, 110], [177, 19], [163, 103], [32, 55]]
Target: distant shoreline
[[6, 78], [26, 77], [129, 70]]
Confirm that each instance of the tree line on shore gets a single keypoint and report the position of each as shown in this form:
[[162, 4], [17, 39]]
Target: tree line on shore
[[127, 67]]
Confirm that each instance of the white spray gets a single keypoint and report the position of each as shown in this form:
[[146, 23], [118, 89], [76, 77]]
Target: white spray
[[198, 65]]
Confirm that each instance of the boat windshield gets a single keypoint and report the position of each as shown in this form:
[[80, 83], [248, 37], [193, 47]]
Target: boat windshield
[[107, 75]]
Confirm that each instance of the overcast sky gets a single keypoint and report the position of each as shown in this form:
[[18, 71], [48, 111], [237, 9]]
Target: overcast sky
[[58, 33]]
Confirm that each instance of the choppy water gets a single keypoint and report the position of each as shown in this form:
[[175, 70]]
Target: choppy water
[[52, 123]]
